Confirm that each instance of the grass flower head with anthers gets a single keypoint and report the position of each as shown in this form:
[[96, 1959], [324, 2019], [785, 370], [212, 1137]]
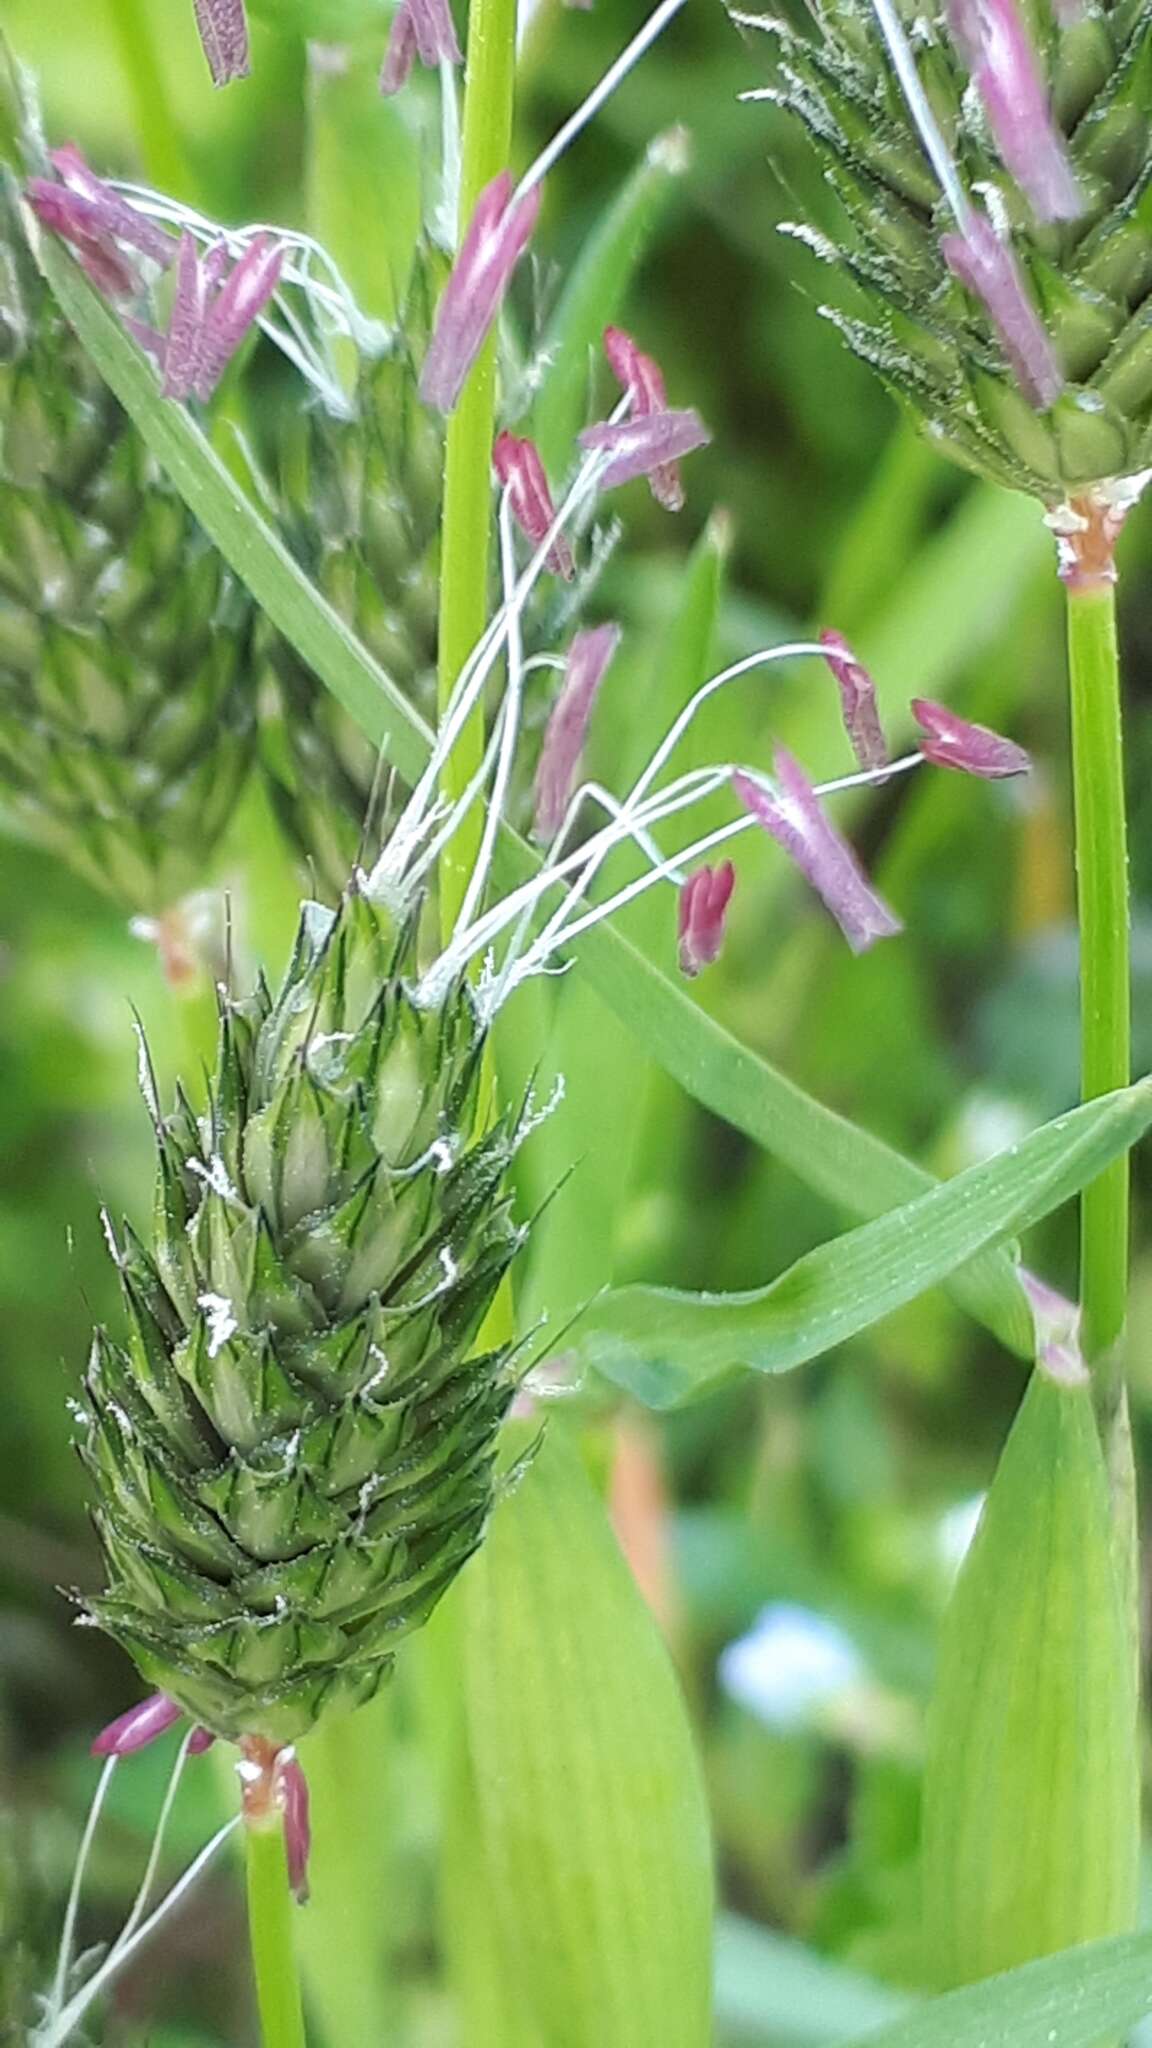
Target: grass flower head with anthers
[[991, 161], [293, 1452], [294, 1443]]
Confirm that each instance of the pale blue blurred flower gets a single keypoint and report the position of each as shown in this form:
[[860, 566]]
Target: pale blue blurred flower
[[792, 1664]]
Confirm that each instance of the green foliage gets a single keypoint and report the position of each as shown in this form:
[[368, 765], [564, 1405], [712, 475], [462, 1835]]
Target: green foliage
[[775, 1993], [1072, 2000], [1031, 1825], [592, 1833], [668, 1347], [856, 1169], [830, 1489]]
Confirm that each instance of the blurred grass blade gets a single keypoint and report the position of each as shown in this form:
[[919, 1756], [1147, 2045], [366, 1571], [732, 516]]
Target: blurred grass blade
[[883, 531], [773, 1992], [857, 1172], [594, 291], [1072, 2000], [343, 1938], [666, 1346], [593, 1826], [684, 659], [1032, 1801], [491, 2011], [364, 164]]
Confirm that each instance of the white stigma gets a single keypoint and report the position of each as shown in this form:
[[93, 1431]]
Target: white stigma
[[220, 1318]]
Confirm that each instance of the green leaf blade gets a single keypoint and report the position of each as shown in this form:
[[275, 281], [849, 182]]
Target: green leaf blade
[[855, 1171], [667, 1346], [593, 1822], [1032, 1810], [774, 1992], [1072, 2000]]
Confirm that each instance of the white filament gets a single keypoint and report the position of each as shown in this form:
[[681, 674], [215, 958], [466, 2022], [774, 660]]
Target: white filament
[[666, 870], [448, 215], [58, 2025], [509, 723], [630, 822], [655, 25], [331, 306], [150, 1868], [390, 869], [634, 829], [467, 943], [935, 148], [61, 2018], [68, 1934]]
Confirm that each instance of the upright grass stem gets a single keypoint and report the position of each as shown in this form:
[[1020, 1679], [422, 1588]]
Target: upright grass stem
[[1102, 882], [465, 544], [270, 1908], [1105, 1030]]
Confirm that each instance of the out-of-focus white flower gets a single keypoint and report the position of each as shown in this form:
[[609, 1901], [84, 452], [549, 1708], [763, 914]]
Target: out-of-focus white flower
[[955, 1531], [791, 1667], [987, 1123]]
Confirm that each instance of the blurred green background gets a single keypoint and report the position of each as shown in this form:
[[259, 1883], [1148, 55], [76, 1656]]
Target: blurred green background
[[841, 1492]]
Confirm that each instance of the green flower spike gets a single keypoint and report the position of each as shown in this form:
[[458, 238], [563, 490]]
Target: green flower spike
[[127, 720], [293, 1451], [1010, 312]]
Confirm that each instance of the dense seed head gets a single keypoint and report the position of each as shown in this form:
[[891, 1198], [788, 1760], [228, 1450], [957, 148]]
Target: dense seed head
[[293, 1448], [1089, 278], [126, 698]]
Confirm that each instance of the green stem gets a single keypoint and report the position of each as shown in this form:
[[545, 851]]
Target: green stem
[[465, 543], [270, 1937], [158, 134], [1102, 884]]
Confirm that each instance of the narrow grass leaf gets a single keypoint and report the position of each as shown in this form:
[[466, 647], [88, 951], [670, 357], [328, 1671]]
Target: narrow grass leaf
[[1072, 2000], [593, 1825], [854, 1170], [773, 1992], [362, 165], [343, 1938], [667, 1346], [1032, 1804], [491, 2011]]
